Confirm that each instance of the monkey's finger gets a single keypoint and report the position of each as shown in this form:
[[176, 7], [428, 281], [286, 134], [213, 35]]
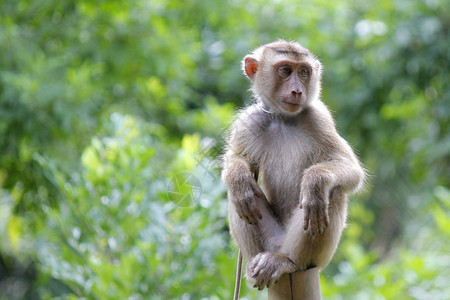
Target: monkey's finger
[[254, 218], [256, 272], [306, 219], [262, 280], [241, 213], [247, 212], [320, 224], [253, 214], [326, 219], [323, 217], [243, 218], [313, 226], [265, 282], [258, 266], [313, 221], [253, 211], [247, 218], [271, 281], [321, 220], [257, 213]]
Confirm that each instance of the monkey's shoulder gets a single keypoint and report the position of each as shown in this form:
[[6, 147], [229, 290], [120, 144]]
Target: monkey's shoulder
[[318, 114], [249, 113], [248, 120]]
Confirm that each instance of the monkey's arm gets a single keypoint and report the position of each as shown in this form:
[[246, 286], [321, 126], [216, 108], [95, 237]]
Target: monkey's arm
[[343, 171], [242, 187], [239, 169]]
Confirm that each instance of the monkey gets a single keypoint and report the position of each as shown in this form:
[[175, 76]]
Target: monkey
[[287, 171]]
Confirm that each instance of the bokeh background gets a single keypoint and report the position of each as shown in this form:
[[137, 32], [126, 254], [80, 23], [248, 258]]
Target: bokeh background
[[112, 121]]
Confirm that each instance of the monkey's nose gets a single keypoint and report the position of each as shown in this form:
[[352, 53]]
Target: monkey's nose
[[297, 95]]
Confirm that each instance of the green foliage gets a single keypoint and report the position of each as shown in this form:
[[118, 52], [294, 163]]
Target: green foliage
[[414, 270], [112, 119]]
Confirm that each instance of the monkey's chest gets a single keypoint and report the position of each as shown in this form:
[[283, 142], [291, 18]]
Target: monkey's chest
[[286, 149], [284, 157]]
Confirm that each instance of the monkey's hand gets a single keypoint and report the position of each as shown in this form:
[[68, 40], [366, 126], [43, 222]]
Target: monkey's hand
[[246, 203], [315, 215], [267, 267]]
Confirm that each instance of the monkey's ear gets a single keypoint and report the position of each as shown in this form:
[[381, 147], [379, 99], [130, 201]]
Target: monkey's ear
[[318, 66], [250, 66]]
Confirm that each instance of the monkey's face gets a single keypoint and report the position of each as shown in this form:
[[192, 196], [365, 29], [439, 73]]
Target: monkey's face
[[286, 76], [292, 81]]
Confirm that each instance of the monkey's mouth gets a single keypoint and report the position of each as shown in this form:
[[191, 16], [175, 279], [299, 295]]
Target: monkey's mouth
[[291, 104]]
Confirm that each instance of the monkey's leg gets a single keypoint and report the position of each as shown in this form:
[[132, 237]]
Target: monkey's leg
[[265, 268], [270, 229], [301, 249], [308, 250], [253, 240], [246, 236]]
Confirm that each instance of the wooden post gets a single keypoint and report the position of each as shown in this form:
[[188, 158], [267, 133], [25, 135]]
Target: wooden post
[[303, 285]]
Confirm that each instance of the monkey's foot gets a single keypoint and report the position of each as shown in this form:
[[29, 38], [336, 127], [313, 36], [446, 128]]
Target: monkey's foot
[[266, 268]]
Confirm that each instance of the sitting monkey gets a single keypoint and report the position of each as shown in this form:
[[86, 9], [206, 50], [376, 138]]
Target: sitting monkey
[[287, 170]]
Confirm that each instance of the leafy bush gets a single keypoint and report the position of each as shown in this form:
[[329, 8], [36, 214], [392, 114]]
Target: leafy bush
[[112, 119]]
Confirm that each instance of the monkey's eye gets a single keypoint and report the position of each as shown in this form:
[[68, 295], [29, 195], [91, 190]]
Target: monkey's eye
[[285, 71], [304, 72]]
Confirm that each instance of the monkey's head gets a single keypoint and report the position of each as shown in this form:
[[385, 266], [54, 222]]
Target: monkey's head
[[285, 76]]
